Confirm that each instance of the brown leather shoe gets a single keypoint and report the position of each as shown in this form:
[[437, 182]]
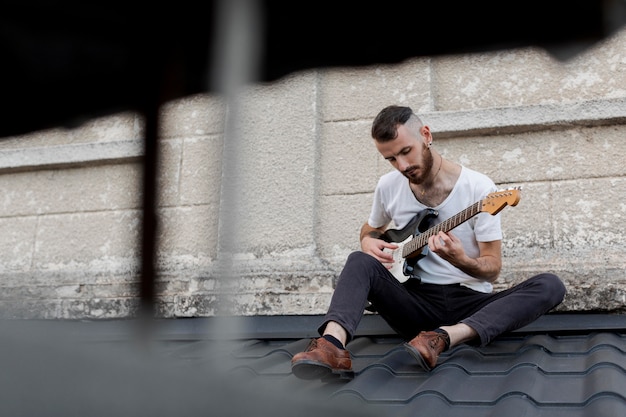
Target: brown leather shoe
[[426, 347], [321, 360]]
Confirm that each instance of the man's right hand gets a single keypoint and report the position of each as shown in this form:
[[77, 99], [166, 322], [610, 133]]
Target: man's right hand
[[379, 249]]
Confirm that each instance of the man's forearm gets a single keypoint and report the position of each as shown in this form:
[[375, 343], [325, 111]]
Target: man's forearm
[[370, 231]]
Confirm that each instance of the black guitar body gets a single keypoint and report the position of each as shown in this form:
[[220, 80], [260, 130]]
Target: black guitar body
[[412, 239], [418, 224]]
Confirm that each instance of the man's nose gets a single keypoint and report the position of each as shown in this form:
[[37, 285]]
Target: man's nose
[[402, 163]]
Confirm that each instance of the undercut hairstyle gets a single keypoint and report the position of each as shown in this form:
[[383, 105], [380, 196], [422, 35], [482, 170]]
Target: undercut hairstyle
[[386, 123]]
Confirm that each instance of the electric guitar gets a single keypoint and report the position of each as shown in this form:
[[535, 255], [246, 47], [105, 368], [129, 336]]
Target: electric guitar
[[412, 240]]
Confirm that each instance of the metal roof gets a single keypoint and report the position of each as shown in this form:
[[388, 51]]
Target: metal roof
[[561, 365]]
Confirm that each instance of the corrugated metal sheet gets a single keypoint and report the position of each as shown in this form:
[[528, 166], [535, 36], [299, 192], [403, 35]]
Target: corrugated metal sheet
[[562, 365], [524, 375]]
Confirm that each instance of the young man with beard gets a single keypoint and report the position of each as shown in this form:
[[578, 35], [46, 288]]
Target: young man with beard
[[449, 297]]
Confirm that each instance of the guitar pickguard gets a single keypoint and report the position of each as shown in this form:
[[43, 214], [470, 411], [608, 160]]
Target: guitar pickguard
[[402, 268]]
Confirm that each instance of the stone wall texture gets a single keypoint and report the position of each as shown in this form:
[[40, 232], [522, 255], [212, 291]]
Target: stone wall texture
[[261, 197]]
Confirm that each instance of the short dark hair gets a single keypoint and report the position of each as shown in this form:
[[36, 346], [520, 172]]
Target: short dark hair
[[385, 125]]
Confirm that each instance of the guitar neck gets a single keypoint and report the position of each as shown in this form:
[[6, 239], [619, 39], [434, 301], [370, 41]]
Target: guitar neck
[[421, 240]]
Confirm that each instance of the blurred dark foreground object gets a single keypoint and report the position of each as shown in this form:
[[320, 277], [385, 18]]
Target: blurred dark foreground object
[[66, 61], [57, 368]]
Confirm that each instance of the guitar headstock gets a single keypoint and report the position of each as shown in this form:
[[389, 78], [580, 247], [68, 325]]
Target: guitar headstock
[[496, 201]]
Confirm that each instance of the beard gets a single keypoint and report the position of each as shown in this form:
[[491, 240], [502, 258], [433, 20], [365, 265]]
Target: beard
[[417, 174]]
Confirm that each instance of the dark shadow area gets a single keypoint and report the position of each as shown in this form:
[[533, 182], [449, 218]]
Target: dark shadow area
[[68, 61]]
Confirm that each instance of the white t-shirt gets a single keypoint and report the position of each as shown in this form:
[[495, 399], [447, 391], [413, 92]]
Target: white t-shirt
[[395, 205]]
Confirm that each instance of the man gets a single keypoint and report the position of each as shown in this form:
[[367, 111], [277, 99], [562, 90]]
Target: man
[[448, 299]]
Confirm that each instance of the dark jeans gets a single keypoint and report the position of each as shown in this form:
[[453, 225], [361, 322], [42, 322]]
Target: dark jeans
[[412, 306]]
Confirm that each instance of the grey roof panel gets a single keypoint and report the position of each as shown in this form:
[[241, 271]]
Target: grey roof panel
[[562, 365], [560, 372]]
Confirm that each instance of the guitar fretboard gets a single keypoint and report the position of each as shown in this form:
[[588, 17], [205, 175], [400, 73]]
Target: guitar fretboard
[[421, 240]]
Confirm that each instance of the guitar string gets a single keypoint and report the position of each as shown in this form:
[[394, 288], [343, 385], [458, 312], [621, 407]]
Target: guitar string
[[422, 239], [446, 225]]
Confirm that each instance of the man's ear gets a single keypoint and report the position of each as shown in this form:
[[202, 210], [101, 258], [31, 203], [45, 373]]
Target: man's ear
[[425, 132]]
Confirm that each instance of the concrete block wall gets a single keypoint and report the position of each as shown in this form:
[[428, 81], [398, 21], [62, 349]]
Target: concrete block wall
[[261, 198]]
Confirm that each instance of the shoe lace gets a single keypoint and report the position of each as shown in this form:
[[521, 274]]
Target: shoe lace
[[312, 345], [439, 338]]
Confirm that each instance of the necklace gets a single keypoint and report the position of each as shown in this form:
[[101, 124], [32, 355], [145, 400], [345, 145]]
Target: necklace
[[422, 191]]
